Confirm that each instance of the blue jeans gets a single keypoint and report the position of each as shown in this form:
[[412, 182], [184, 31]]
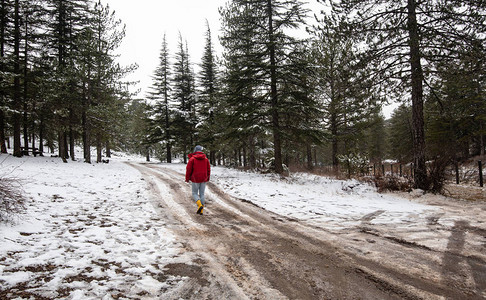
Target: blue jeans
[[198, 191]]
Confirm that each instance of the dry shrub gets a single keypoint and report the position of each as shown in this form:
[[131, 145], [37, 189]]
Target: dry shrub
[[437, 173], [12, 200], [392, 183]]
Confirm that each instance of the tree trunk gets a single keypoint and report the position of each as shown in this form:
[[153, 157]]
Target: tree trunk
[[252, 155], [25, 125], [72, 121], [85, 122], [50, 145], [25, 96], [108, 149], [481, 137], [335, 161], [184, 155], [33, 141], [33, 128], [333, 125], [41, 135], [212, 157], [65, 141], [62, 146], [71, 143], [420, 170], [334, 138], [245, 158], [169, 153], [86, 137], [3, 148], [3, 20], [16, 100], [167, 126], [277, 144], [310, 165], [99, 149]]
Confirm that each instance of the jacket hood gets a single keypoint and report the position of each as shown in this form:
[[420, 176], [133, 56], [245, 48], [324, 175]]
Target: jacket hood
[[198, 155]]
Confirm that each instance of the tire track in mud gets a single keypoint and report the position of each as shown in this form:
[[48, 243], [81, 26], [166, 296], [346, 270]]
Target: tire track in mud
[[252, 253]]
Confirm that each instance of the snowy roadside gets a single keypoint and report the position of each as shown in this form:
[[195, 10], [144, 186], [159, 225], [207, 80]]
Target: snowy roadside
[[93, 231], [90, 232], [317, 200], [348, 206], [339, 204]]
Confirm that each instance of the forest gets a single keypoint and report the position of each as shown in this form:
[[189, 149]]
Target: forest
[[270, 101]]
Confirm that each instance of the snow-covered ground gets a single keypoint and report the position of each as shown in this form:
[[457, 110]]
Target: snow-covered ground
[[99, 224], [317, 200], [95, 221]]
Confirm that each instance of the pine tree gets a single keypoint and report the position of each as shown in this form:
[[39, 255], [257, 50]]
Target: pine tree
[[16, 118], [208, 104], [400, 134], [108, 97], [68, 18], [184, 105], [4, 74], [281, 15], [33, 15], [160, 93], [375, 137], [261, 25], [456, 109], [245, 107], [301, 111], [400, 37], [58, 72], [137, 127], [343, 89]]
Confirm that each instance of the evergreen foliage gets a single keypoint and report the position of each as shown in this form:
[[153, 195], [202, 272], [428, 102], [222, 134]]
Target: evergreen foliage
[[259, 50], [402, 42], [67, 83], [184, 100], [161, 95], [400, 134], [270, 100], [208, 106], [345, 92]]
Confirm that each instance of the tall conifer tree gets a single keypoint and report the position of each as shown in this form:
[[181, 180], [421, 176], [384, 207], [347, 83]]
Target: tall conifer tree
[[160, 93], [404, 38], [4, 22], [16, 88], [208, 104], [342, 88], [184, 100], [263, 24], [69, 18]]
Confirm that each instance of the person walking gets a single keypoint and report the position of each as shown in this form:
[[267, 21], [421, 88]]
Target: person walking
[[198, 171]]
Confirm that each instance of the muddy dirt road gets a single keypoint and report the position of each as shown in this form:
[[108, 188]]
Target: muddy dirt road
[[244, 252]]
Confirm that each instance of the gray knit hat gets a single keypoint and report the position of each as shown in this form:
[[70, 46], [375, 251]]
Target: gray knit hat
[[198, 148]]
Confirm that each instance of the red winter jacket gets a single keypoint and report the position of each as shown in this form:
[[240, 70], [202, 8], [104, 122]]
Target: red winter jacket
[[198, 168]]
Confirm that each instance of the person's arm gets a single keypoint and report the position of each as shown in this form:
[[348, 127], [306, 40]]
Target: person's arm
[[209, 169], [189, 169]]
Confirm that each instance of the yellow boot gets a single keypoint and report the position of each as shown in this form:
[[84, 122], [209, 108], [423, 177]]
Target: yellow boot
[[200, 207]]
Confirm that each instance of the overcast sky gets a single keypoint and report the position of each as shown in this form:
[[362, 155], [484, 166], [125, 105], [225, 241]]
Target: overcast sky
[[146, 22]]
